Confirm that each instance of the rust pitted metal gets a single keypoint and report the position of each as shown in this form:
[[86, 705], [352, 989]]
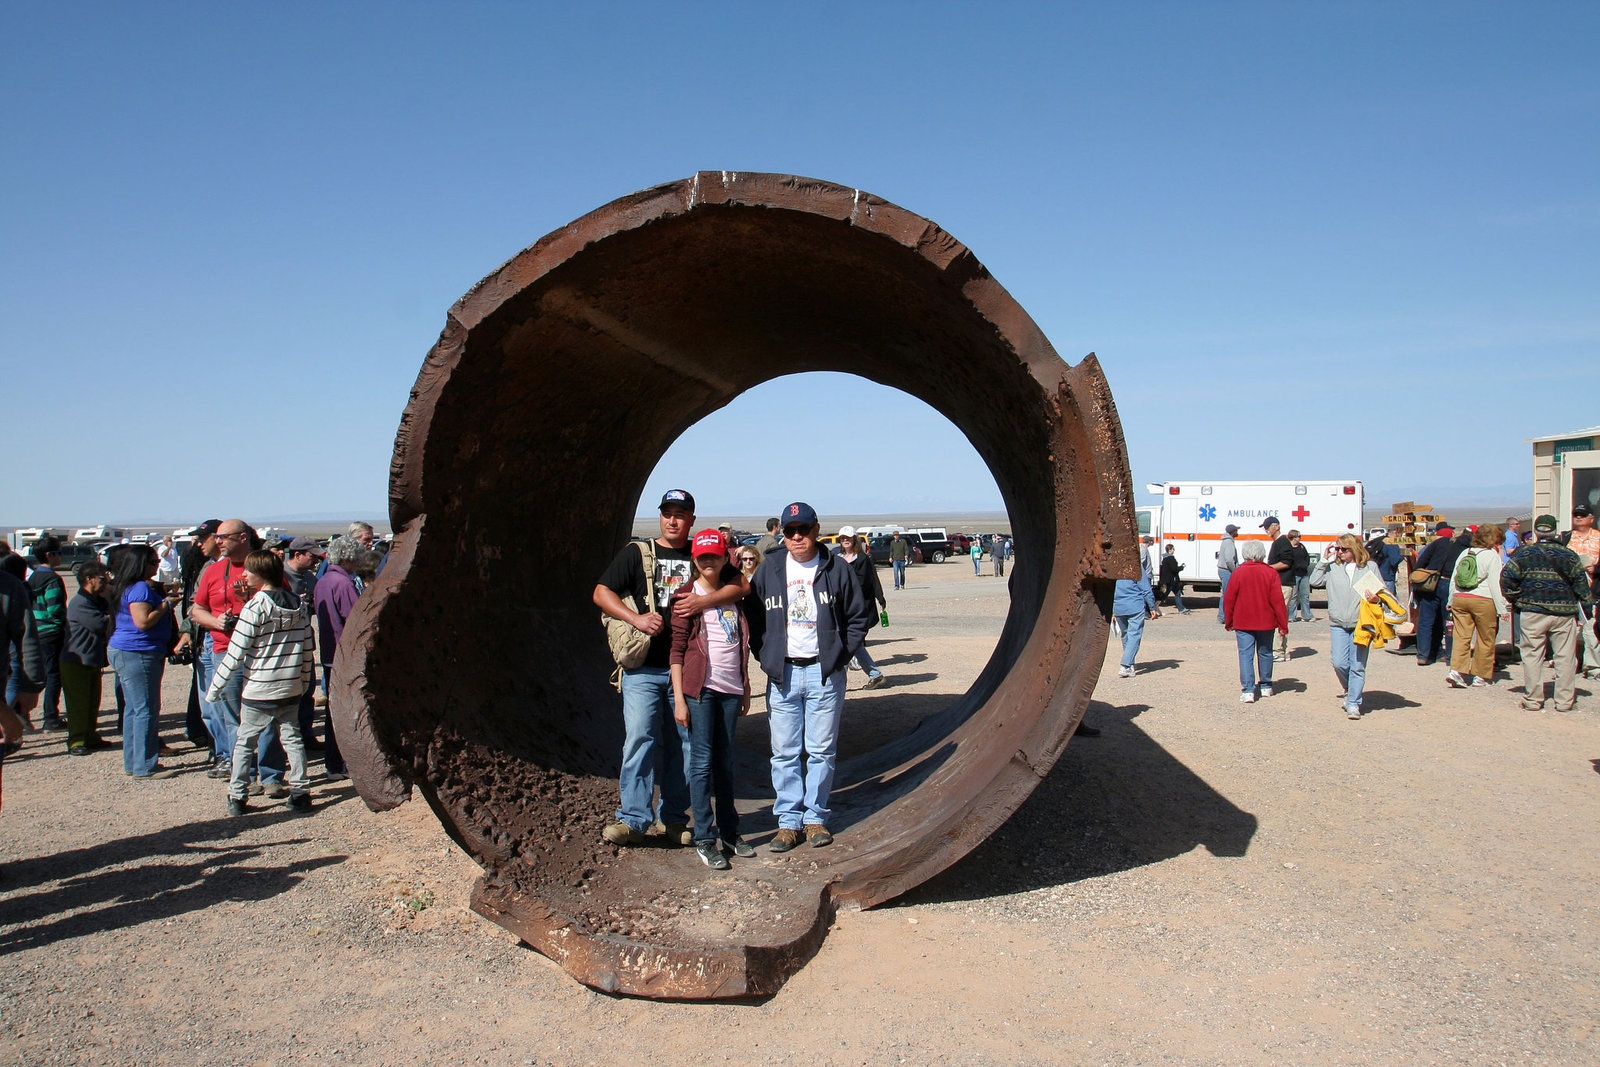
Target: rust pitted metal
[[474, 670]]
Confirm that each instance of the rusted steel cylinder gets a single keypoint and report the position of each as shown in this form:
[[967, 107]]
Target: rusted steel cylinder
[[475, 668]]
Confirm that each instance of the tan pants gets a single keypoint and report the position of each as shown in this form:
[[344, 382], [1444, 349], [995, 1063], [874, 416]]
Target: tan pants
[[1560, 632], [1473, 615]]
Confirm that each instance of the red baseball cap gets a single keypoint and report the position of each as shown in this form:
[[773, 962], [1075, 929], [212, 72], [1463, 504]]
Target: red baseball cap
[[709, 543]]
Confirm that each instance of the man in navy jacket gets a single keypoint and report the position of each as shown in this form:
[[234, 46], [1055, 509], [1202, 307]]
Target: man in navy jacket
[[807, 618]]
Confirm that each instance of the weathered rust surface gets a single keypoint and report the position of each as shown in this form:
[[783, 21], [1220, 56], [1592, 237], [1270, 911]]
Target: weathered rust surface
[[475, 671]]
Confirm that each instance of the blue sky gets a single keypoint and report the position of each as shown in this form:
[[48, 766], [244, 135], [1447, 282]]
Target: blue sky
[[235, 231]]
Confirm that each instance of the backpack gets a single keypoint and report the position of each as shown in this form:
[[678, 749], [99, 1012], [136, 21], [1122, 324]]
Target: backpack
[[630, 645], [1466, 574]]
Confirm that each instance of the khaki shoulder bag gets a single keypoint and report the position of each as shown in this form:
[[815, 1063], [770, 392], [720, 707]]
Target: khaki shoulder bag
[[629, 644]]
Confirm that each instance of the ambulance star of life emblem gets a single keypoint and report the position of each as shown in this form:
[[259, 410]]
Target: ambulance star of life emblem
[[1207, 512]]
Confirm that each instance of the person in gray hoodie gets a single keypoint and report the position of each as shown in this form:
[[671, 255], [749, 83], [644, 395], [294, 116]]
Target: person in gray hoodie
[[1338, 571], [1227, 562], [273, 646]]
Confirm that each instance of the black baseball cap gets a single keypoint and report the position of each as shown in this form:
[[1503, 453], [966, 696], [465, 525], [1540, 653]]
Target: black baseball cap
[[680, 498], [1582, 509], [206, 529], [1272, 520]]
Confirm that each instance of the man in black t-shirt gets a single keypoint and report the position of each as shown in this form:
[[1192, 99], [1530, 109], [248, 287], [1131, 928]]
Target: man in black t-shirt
[[1280, 557], [653, 742]]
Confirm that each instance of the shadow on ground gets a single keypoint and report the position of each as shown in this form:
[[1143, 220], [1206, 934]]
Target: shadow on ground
[[148, 877], [1111, 803]]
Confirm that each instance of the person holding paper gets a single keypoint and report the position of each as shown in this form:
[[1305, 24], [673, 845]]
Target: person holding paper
[[1350, 576]]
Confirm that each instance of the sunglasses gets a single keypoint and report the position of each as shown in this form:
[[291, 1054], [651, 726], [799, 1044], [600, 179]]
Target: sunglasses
[[799, 531]]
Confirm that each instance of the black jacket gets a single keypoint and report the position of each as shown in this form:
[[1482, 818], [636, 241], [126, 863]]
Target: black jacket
[[867, 578], [842, 625]]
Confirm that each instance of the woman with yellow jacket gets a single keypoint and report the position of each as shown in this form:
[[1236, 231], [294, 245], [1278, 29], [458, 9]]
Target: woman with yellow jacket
[[1476, 608], [1345, 562]]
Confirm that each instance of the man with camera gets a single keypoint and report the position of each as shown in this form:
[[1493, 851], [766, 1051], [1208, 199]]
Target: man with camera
[[219, 596]]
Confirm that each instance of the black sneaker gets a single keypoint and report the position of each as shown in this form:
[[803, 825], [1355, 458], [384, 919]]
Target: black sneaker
[[275, 789], [300, 802], [784, 840], [78, 750], [221, 769], [52, 723], [738, 847], [711, 855], [237, 807]]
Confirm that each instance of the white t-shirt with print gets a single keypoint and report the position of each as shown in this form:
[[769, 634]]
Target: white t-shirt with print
[[801, 628]]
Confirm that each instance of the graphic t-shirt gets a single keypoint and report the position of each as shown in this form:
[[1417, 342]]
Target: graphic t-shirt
[[725, 669], [801, 628], [625, 577]]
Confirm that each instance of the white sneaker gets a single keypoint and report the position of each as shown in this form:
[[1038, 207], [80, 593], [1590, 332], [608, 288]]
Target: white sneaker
[[1247, 697], [1124, 672], [1477, 683], [1352, 713], [1266, 691], [1455, 681]]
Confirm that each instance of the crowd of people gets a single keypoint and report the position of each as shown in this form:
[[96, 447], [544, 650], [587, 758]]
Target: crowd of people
[[251, 620], [1463, 585]]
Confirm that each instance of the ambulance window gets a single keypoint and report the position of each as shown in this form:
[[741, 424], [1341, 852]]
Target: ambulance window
[[1144, 522]]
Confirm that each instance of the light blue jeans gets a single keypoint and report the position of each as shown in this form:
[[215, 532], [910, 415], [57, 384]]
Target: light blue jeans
[[1255, 653], [1349, 663], [1301, 603], [269, 753], [899, 573], [864, 660], [655, 750], [1223, 577], [804, 712], [256, 719], [140, 675], [1132, 630], [213, 714]]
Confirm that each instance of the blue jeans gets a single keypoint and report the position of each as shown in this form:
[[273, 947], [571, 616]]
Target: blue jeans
[[655, 750], [140, 675], [804, 712], [711, 720], [1255, 656], [977, 562], [213, 714], [258, 718], [332, 759], [1132, 628], [269, 753], [1302, 599], [1349, 663], [899, 573], [1223, 576], [863, 660], [1433, 622]]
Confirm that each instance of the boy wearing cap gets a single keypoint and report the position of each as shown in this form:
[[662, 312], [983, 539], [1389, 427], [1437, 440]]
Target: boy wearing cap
[[809, 620], [1546, 582], [1227, 561], [652, 741]]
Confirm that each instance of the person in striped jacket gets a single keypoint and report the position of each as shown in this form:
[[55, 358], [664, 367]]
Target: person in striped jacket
[[273, 646]]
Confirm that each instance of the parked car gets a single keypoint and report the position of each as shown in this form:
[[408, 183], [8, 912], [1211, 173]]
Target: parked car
[[935, 546], [879, 547], [961, 544]]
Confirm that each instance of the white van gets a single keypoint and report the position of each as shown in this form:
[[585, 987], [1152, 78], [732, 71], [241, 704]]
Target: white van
[[1193, 515]]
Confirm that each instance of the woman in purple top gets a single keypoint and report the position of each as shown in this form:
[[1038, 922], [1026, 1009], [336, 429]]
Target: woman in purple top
[[140, 634]]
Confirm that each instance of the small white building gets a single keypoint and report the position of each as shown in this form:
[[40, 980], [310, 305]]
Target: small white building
[[1566, 472]]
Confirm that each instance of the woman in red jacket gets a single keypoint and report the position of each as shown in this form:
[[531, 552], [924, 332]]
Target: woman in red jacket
[[710, 690], [1252, 607]]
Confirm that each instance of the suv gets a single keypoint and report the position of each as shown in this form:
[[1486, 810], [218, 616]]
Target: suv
[[879, 547], [934, 544], [961, 544]]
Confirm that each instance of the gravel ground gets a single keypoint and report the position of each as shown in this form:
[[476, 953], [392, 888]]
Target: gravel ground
[[1205, 883]]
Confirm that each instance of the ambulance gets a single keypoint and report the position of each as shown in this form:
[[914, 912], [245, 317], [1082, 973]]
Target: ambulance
[[1192, 516]]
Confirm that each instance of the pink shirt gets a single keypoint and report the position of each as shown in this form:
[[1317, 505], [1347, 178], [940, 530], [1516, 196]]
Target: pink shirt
[[723, 673]]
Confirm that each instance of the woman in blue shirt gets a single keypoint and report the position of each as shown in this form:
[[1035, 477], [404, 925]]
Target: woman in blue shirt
[[138, 652]]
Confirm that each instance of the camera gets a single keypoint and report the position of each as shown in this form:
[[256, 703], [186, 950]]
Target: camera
[[181, 658]]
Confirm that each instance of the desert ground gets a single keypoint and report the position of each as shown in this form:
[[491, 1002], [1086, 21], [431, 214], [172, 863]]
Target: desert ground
[[1204, 883]]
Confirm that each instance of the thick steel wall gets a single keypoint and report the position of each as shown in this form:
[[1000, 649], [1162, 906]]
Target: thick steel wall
[[475, 668]]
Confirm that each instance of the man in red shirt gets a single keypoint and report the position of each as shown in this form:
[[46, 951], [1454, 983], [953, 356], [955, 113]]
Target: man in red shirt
[[219, 596]]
